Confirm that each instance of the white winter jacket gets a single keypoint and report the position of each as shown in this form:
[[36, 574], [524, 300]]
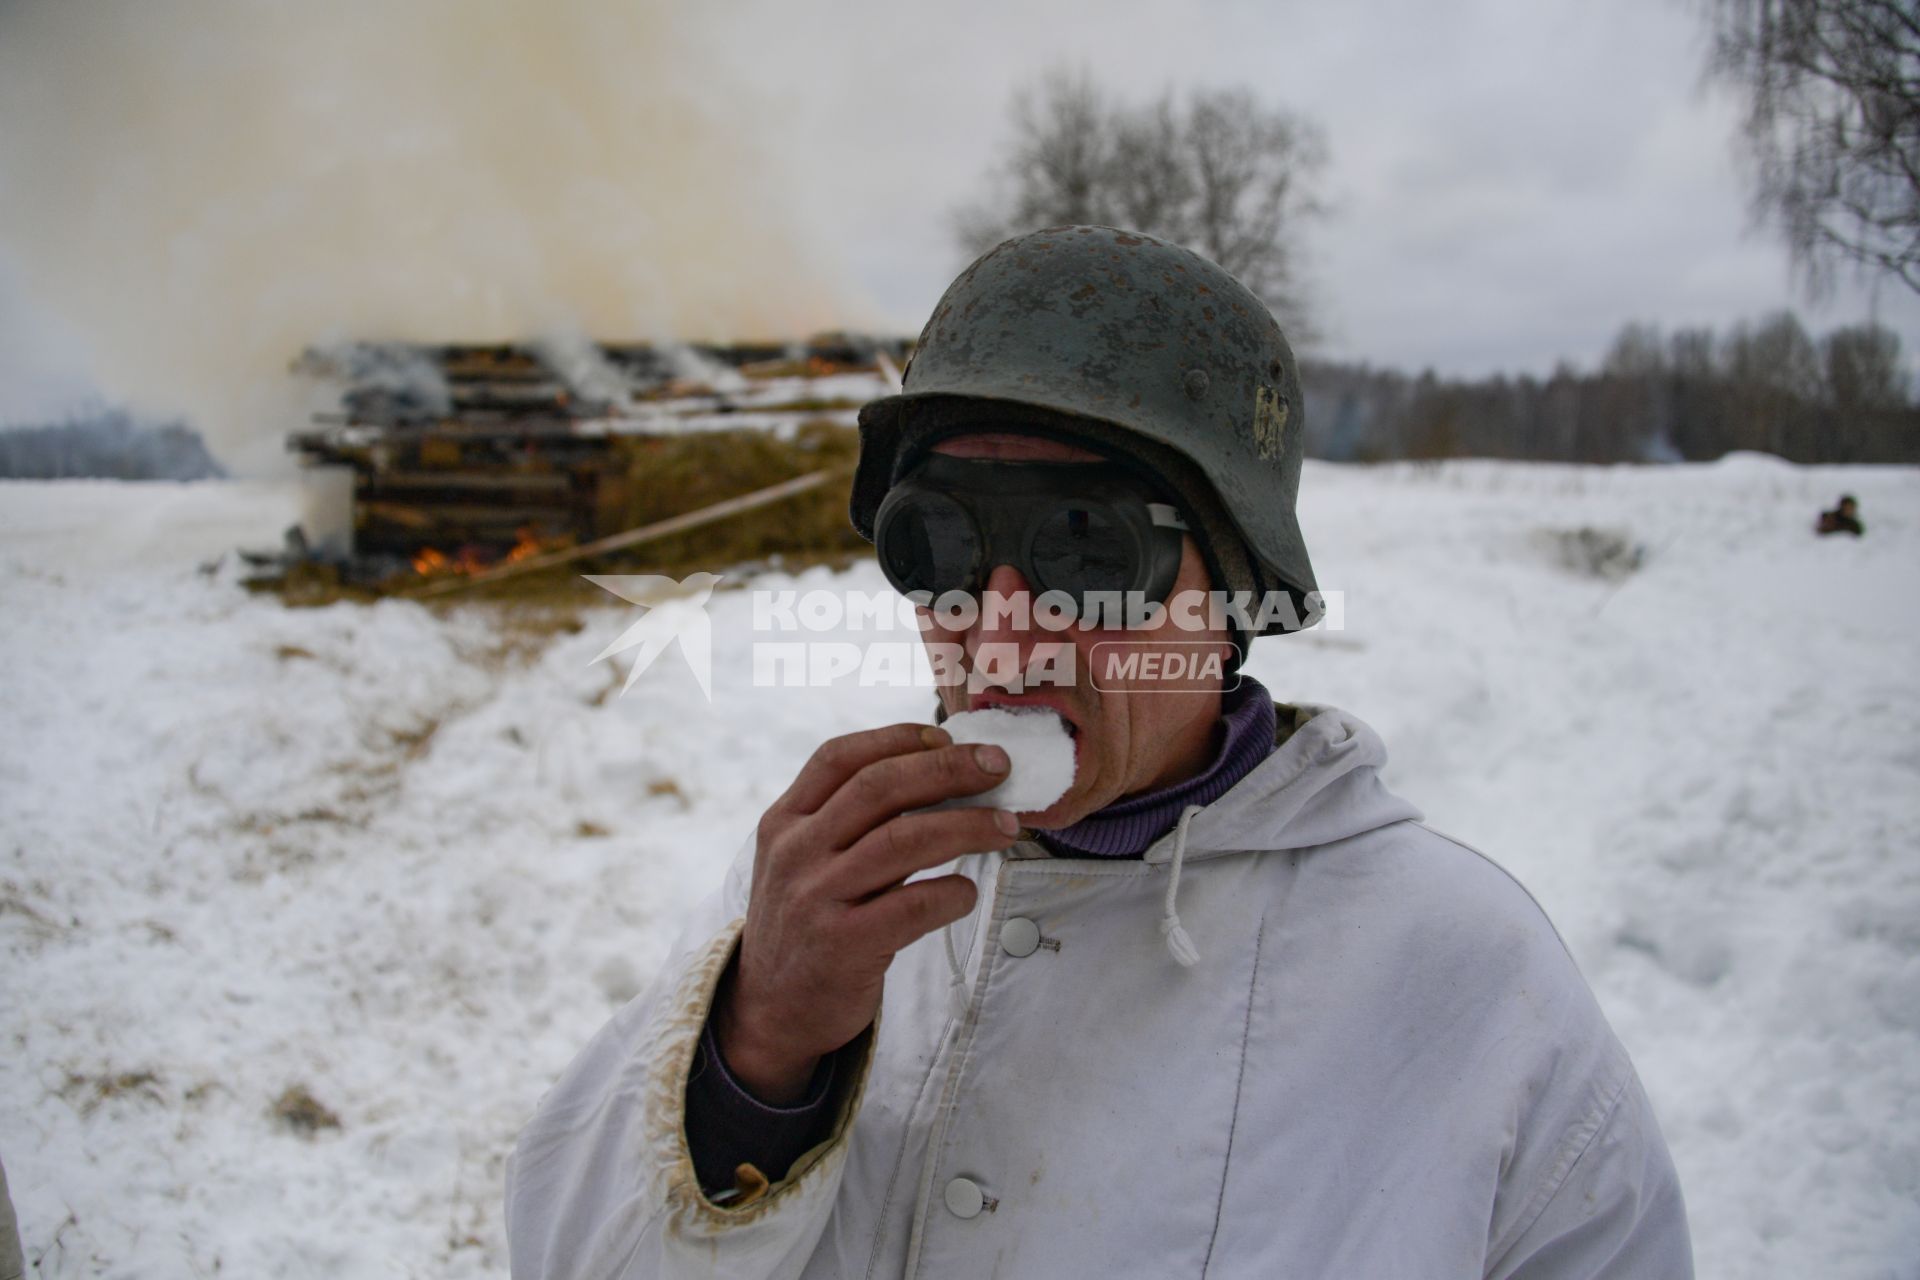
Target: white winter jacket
[[1383, 1064]]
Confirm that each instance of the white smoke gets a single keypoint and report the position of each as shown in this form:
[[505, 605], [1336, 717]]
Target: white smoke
[[403, 372], [202, 190], [584, 368]]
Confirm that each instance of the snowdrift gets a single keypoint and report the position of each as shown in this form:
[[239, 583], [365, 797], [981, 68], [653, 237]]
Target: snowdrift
[[302, 909]]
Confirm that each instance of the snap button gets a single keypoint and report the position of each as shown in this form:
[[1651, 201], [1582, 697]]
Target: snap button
[[1019, 936], [964, 1198]]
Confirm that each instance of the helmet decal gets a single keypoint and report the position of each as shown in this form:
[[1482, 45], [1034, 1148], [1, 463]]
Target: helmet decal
[[1269, 421]]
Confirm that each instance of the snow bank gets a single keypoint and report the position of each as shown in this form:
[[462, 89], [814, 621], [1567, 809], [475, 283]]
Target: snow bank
[[410, 861]]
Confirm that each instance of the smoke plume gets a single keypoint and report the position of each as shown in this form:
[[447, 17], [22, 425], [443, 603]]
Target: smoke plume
[[202, 190]]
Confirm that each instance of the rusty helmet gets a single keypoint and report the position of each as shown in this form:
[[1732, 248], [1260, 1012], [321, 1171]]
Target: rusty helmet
[[1135, 346]]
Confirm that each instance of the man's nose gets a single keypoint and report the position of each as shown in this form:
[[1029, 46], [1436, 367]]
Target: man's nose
[[1006, 608], [1007, 611], [1010, 638], [1006, 582]]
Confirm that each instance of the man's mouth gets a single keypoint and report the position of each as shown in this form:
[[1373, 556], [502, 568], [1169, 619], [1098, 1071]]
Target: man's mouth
[[1019, 701]]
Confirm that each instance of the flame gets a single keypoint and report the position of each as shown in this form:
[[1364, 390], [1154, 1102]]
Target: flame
[[431, 561], [529, 543]]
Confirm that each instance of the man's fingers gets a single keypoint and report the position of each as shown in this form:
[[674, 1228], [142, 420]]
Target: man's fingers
[[893, 785], [838, 759], [914, 842], [899, 916]]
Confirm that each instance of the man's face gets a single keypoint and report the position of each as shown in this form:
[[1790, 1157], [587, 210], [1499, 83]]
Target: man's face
[[1132, 734]]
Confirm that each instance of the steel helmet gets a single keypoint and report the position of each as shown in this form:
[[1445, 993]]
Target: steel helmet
[[1128, 343]]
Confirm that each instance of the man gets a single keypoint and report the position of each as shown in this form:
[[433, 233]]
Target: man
[[1224, 1008], [1844, 518]]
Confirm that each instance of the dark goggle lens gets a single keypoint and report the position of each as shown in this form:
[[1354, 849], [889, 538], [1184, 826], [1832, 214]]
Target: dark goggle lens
[[1082, 549], [928, 544]]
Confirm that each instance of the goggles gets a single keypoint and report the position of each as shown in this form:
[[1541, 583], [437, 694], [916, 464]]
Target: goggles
[[1072, 527]]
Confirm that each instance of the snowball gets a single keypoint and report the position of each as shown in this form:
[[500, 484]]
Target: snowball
[[1038, 744]]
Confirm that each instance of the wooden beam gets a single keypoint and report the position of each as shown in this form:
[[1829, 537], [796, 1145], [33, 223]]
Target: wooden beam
[[435, 515], [545, 480], [645, 533]]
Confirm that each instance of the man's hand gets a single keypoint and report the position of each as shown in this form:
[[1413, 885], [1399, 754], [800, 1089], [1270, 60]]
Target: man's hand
[[829, 907]]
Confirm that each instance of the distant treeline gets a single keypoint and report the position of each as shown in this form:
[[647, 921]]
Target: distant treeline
[[1692, 395], [108, 444]]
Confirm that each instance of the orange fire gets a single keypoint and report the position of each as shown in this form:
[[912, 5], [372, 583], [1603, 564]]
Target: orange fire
[[432, 562], [529, 543]]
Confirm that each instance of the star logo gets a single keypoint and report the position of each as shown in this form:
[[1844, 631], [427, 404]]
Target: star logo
[[674, 611]]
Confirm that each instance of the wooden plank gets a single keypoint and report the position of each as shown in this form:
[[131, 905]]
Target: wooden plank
[[421, 515], [545, 481], [645, 533]]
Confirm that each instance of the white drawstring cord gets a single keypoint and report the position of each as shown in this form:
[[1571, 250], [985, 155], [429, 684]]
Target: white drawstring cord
[[1179, 945]]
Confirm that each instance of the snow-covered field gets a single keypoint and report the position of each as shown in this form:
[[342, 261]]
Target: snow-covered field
[[408, 862]]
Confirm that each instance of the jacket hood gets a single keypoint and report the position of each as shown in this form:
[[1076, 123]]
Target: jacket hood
[[1322, 783]]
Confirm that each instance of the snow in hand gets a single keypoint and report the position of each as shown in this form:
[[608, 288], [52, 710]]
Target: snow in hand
[[301, 910], [1038, 746]]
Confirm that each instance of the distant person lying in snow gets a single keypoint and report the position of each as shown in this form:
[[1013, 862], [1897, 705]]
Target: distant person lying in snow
[[1844, 518]]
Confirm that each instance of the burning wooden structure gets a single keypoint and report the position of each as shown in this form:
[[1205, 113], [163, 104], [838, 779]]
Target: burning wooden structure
[[459, 457]]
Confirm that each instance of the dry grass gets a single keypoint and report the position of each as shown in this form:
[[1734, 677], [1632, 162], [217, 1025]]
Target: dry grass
[[414, 741], [674, 475], [86, 1093], [523, 629], [810, 404], [309, 586], [303, 1113], [264, 823], [39, 925]]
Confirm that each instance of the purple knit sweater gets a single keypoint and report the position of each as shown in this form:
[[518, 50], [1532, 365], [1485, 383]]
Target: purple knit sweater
[[727, 1126], [1126, 827]]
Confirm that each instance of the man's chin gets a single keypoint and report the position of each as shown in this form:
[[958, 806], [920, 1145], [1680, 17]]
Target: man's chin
[[1063, 812]]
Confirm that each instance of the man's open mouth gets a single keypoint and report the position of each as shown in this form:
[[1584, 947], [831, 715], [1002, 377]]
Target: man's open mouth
[[1024, 702]]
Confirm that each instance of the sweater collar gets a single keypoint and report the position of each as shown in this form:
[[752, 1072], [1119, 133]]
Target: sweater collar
[[1126, 827]]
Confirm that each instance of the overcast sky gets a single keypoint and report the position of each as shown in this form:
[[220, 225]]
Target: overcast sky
[[1511, 180]]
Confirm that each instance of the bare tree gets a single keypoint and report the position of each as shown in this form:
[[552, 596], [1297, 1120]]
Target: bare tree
[[1863, 369], [1059, 171], [1773, 358], [1218, 171], [1690, 354], [1832, 125], [1696, 394], [1638, 351]]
